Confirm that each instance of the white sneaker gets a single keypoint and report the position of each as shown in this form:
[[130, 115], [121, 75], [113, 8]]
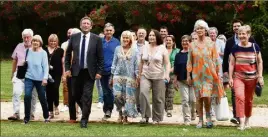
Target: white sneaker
[[99, 105], [65, 108]]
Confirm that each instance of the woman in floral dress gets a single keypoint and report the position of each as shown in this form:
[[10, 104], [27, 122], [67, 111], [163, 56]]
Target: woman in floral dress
[[125, 72], [204, 65]]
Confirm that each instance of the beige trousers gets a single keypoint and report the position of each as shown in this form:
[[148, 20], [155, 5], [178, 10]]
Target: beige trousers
[[158, 98], [188, 101]]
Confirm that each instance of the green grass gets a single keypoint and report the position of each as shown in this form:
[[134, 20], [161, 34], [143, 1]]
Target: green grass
[[6, 88], [98, 129]]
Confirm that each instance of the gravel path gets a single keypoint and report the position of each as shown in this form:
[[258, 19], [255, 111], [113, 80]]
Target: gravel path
[[259, 118]]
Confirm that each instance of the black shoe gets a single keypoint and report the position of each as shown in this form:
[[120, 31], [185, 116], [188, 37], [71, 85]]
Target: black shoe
[[14, 117], [26, 121], [108, 114], [83, 124], [235, 120]]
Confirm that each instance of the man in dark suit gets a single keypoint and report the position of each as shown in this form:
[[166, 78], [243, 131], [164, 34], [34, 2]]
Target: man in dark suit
[[230, 43], [85, 67]]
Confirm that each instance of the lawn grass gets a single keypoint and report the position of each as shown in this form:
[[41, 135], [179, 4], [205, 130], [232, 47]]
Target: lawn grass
[[98, 129], [6, 88]]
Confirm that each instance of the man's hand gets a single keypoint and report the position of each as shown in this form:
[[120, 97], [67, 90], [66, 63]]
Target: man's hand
[[68, 73], [189, 81], [44, 82], [226, 74], [12, 76], [98, 76]]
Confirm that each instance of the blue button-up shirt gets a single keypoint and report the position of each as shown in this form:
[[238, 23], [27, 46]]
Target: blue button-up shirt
[[236, 39], [108, 53]]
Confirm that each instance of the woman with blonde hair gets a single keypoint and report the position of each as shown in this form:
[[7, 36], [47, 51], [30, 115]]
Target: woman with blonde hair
[[204, 66], [245, 70], [56, 61], [124, 76]]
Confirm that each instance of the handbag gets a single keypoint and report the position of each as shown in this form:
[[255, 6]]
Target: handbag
[[258, 89], [222, 110], [21, 70]]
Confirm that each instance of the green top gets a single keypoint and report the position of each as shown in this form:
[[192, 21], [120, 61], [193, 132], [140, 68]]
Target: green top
[[172, 57]]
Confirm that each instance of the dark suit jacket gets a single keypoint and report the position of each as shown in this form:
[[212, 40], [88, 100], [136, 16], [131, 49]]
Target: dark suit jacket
[[94, 55], [228, 49]]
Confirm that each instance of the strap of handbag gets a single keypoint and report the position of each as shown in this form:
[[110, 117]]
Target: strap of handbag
[[26, 54], [256, 55], [51, 55]]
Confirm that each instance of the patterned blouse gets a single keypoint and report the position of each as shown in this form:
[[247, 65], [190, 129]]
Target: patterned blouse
[[125, 65]]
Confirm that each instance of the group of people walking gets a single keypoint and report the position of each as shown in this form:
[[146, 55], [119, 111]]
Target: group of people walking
[[127, 71]]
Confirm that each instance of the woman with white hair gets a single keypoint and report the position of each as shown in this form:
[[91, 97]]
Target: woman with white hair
[[18, 57], [36, 76], [204, 66], [124, 74]]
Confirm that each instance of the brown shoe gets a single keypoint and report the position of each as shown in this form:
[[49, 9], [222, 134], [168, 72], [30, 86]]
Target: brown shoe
[[72, 121], [14, 117]]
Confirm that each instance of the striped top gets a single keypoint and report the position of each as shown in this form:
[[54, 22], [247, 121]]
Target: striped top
[[245, 61]]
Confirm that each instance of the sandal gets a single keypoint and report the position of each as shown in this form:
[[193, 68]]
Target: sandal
[[144, 120], [57, 111], [125, 121], [209, 124], [51, 115], [242, 128], [169, 114], [200, 124], [120, 119]]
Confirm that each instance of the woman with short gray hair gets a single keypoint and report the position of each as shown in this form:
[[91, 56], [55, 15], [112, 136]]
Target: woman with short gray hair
[[204, 66], [36, 76]]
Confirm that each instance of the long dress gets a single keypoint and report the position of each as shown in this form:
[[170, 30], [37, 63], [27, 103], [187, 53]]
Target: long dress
[[125, 70], [204, 64]]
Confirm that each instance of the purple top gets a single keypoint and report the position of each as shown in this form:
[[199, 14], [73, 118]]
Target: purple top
[[19, 54]]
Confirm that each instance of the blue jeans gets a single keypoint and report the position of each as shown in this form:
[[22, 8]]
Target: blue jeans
[[29, 85], [100, 92], [108, 97]]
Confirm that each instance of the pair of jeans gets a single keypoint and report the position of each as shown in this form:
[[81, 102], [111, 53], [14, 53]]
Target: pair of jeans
[[29, 84], [108, 96], [100, 92], [18, 88]]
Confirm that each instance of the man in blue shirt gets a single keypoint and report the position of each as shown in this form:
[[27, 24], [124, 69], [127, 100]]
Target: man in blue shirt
[[109, 44]]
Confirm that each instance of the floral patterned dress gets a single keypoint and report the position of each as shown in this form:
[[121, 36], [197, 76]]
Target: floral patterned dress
[[125, 70], [204, 64]]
